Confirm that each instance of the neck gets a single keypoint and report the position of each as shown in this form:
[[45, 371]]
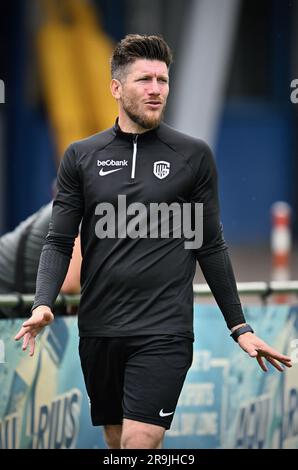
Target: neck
[[127, 125]]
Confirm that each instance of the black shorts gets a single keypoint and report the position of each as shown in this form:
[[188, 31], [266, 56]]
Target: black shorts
[[138, 378]]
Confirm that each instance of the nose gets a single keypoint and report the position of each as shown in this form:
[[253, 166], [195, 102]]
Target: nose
[[154, 87]]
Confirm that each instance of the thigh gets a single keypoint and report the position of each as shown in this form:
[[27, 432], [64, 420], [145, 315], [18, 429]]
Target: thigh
[[103, 362], [154, 375]]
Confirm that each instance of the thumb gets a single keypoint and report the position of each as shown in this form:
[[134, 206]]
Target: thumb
[[47, 316], [252, 353]]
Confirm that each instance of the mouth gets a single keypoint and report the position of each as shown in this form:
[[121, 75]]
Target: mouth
[[153, 104]]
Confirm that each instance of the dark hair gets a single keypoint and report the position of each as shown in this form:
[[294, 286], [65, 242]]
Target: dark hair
[[137, 46]]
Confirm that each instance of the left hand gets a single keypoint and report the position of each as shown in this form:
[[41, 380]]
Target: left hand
[[41, 317], [256, 347]]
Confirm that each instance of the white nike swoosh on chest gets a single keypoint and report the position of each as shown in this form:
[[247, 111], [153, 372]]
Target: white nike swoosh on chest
[[103, 173]]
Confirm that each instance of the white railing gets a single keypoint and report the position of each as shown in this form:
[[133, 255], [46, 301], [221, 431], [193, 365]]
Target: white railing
[[262, 289]]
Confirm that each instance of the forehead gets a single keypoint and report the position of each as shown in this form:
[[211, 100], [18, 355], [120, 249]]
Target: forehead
[[148, 67]]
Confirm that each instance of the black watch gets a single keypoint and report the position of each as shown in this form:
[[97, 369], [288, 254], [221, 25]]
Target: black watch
[[243, 329]]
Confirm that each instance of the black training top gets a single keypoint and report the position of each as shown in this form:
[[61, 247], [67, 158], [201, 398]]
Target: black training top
[[136, 286]]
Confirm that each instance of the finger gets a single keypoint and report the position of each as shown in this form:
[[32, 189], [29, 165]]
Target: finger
[[287, 364], [24, 330], [268, 351], [285, 358], [262, 364], [31, 323], [26, 341], [275, 364], [289, 359], [281, 357], [31, 345], [21, 333]]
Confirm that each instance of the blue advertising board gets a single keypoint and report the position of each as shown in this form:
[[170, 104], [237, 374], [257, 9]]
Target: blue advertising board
[[227, 401]]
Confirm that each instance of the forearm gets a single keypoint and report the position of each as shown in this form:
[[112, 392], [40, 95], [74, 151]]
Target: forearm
[[218, 272], [53, 265]]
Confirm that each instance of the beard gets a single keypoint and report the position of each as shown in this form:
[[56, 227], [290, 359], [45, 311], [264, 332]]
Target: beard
[[146, 121]]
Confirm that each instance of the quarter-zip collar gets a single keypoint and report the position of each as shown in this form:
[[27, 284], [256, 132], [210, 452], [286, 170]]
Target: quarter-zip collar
[[130, 136]]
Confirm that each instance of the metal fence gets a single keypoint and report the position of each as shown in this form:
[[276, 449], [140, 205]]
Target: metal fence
[[261, 289]]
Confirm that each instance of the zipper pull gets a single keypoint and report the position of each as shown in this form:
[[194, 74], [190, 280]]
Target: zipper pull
[[134, 156]]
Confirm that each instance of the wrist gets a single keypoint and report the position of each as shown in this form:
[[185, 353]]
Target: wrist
[[41, 308], [246, 328], [234, 328]]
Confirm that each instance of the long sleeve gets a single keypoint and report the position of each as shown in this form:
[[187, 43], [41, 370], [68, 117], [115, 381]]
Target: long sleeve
[[213, 256], [66, 216], [217, 268]]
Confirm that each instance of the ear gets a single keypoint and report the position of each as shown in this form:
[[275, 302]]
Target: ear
[[116, 88]]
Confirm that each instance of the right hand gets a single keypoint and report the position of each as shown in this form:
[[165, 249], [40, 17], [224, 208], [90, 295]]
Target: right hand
[[41, 317]]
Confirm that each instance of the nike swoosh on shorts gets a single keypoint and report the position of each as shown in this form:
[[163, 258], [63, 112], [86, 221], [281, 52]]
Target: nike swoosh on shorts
[[162, 414]]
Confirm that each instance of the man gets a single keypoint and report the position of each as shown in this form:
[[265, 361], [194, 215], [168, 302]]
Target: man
[[19, 257], [136, 310]]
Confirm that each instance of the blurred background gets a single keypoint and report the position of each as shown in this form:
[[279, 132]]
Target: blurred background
[[230, 85]]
